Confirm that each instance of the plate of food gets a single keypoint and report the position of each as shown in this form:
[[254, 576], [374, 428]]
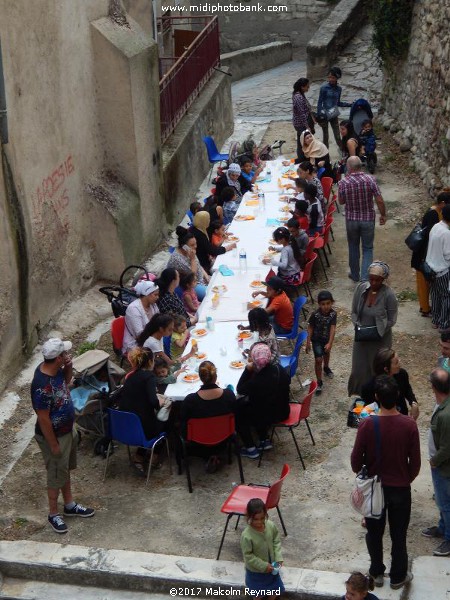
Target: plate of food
[[290, 173], [252, 202], [245, 335], [220, 289], [256, 284], [199, 332], [232, 238], [191, 377], [201, 356], [270, 253], [284, 219], [244, 218], [285, 209], [237, 364], [254, 304]]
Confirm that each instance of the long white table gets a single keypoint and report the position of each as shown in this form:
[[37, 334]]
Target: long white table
[[221, 345]]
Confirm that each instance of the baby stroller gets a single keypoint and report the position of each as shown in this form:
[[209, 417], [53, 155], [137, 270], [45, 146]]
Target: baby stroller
[[239, 151], [360, 112], [120, 296], [95, 388]]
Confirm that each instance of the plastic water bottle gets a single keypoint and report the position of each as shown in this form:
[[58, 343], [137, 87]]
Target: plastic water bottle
[[263, 202], [269, 174], [276, 568], [243, 260], [210, 323]]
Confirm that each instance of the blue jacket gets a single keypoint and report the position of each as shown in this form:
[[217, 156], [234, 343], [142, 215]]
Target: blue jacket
[[329, 97]]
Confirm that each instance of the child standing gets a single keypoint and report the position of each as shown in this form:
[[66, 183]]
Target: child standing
[[190, 299], [261, 549], [179, 339], [358, 587], [321, 330]]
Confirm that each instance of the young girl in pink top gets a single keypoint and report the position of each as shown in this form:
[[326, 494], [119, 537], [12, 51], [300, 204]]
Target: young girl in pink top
[[190, 300]]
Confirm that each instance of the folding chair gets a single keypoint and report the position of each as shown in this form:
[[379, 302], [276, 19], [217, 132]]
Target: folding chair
[[298, 412], [126, 428], [236, 503], [210, 431]]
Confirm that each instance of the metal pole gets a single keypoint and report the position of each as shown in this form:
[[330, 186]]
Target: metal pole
[[3, 118]]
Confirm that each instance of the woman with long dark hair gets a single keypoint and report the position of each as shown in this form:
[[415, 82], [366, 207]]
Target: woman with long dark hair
[[158, 327], [184, 259], [168, 301], [350, 140], [302, 116]]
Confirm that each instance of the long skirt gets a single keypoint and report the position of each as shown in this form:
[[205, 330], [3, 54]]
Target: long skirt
[[263, 584], [440, 301], [362, 362]]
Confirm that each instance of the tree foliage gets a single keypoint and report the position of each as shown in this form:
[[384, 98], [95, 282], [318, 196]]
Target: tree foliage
[[392, 28]]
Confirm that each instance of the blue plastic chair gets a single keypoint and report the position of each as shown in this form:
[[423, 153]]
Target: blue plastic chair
[[171, 249], [214, 155], [291, 361], [126, 428], [166, 343], [298, 305]]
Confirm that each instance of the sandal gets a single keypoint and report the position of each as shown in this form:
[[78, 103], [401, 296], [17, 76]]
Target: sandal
[[139, 468]]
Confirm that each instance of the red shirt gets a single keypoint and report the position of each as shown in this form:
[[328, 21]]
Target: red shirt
[[400, 450]]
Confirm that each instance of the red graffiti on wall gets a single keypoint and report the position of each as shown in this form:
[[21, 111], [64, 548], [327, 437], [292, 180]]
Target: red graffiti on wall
[[51, 192]]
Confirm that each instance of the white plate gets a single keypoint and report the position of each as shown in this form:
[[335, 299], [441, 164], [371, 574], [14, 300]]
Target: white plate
[[241, 366]]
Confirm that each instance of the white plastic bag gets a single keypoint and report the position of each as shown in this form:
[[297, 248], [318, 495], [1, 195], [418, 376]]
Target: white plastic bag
[[367, 496]]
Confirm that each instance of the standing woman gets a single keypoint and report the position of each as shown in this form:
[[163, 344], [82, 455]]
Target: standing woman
[[327, 106], [374, 309], [139, 312], [438, 259], [429, 219], [302, 117]]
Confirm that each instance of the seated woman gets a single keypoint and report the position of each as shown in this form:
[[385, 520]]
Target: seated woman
[[209, 401], [206, 250], [316, 152], [233, 178], [351, 145], [158, 327], [290, 258], [138, 396], [279, 307], [258, 320], [266, 387], [139, 312], [314, 212], [184, 260], [168, 301], [386, 362], [228, 201]]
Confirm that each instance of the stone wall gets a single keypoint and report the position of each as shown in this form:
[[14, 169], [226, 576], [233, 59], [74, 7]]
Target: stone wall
[[298, 23], [250, 61], [416, 96]]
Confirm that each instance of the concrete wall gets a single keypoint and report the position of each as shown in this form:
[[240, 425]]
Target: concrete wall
[[416, 95], [184, 154], [333, 35], [83, 117], [250, 61], [244, 29]]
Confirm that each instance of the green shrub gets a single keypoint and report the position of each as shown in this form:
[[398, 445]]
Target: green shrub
[[392, 29]]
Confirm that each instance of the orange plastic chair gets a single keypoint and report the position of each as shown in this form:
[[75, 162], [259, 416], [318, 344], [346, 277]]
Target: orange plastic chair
[[236, 503], [320, 244], [307, 274], [117, 333], [210, 431], [327, 184]]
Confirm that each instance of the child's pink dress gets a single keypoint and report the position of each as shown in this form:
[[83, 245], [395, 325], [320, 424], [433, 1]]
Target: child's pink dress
[[194, 300]]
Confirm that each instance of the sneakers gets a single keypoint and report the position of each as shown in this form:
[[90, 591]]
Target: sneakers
[[79, 511], [266, 445], [409, 577], [57, 522], [319, 387], [443, 549], [328, 372], [432, 532], [378, 581], [250, 452]]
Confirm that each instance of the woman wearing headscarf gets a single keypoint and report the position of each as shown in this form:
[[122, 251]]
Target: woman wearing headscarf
[[316, 152], [233, 178], [206, 250], [374, 313], [302, 116], [139, 313], [265, 388]]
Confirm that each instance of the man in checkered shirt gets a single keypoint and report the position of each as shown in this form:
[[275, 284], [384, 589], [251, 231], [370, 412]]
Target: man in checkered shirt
[[358, 191]]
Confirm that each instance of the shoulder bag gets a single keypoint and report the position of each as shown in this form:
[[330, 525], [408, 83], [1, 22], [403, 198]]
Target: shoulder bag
[[365, 333], [332, 113], [427, 271], [367, 496], [416, 238]]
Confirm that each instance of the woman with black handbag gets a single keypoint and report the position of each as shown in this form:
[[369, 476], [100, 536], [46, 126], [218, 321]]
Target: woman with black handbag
[[430, 218], [374, 313]]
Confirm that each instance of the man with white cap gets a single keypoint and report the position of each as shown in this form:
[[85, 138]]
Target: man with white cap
[[54, 431], [139, 312]]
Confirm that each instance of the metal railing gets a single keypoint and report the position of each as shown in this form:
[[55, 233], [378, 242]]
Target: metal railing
[[182, 83]]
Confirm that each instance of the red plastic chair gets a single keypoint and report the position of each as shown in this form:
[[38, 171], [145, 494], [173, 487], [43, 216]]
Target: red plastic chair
[[307, 274], [236, 503], [323, 241], [327, 184], [210, 431], [298, 413], [309, 252], [332, 207], [117, 333]]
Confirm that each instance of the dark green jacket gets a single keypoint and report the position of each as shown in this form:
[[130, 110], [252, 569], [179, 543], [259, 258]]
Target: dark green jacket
[[440, 428]]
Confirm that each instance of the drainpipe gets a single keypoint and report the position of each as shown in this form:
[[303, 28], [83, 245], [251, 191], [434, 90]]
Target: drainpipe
[[3, 119]]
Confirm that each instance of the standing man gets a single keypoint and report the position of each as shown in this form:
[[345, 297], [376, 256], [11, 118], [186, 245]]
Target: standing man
[[54, 431], [357, 191], [399, 465], [438, 258], [439, 450]]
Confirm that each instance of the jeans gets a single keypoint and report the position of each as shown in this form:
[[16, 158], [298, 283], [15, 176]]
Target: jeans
[[337, 134], [301, 157], [277, 327], [441, 486], [360, 232], [398, 507]]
